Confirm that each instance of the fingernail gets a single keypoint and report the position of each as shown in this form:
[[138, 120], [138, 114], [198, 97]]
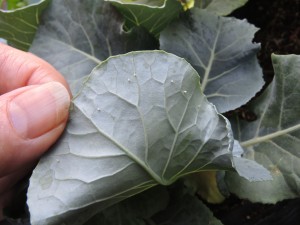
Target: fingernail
[[39, 110]]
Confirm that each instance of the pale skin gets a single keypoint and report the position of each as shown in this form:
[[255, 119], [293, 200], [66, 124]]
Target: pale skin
[[34, 106]]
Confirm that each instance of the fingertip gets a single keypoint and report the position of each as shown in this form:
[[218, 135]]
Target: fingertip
[[33, 120], [39, 109]]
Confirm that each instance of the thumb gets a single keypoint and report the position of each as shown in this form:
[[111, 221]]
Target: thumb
[[31, 120]]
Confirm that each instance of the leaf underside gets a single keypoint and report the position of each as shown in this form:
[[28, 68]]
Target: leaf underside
[[273, 140], [140, 120]]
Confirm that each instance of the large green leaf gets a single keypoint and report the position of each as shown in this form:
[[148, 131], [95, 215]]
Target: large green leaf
[[273, 140], [76, 35], [18, 26], [152, 15], [140, 120], [220, 7], [222, 52]]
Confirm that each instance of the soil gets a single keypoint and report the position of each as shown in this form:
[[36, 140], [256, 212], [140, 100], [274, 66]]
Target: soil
[[241, 212], [279, 23]]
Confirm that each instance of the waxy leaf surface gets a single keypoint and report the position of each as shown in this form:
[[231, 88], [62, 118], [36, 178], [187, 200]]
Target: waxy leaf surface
[[139, 120], [19, 26], [273, 140], [222, 52]]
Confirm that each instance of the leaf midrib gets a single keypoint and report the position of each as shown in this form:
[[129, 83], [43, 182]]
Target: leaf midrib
[[211, 60], [91, 57], [267, 137], [124, 149]]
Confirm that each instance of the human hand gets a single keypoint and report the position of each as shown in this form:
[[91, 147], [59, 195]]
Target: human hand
[[34, 105]]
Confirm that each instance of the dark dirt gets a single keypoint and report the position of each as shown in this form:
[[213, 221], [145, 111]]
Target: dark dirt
[[279, 23], [241, 212]]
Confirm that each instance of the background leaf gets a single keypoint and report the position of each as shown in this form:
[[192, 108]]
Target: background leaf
[[136, 210], [77, 35], [246, 168], [222, 52], [211, 185], [18, 26], [140, 120], [207, 185], [152, 15], [173, 205], [273, 139], [184, 208], [220, 7]]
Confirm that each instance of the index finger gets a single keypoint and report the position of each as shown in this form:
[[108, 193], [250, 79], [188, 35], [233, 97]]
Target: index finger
[[19, 69]]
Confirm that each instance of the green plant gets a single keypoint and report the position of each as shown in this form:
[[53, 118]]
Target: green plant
[[141, 119]]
